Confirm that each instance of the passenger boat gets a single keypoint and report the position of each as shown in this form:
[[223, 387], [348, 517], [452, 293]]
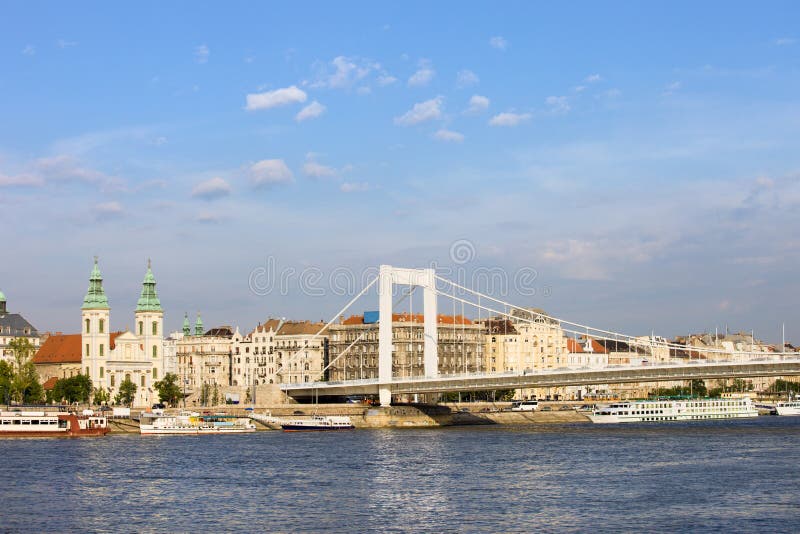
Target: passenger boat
[[193, 423], [51, 424], [674, 410], [318, 423], [788, 407]]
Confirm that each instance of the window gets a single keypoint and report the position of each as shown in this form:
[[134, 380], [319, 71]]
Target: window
[[112, 381], [155, 351], [87, 351], [101, 372], [101, 325], [87, 371], [155, 374], [101, 350], [87, 326], [141, 328], [142, 380], [155, 328]]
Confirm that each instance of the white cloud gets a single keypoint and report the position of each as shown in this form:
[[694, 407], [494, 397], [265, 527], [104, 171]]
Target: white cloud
[[672, 88], [21, 180], [509, 119], [354, 187], [421, 112], [784, 41], [63, 43], [498, 42], [346, 72], [270, 172], [558, 104], [592, 78], [466, 77], [29, 50], [311, 111], [477, 103], [201, 54], [208, 218], [212, 189], [278, 97], [108, 210], [448, 136], [423, 76], [613, 93], [317, 170]]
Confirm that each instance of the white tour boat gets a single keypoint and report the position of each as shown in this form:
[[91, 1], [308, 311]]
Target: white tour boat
[[674, 410], [788, 407], [194, 423], [318, 423]]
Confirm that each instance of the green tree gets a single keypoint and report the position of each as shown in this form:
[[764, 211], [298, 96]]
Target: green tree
[[25, 386], [168, 389], [101, 396], [215, 397], [73, 389], [6, 381], [205, 391], [127, 392]]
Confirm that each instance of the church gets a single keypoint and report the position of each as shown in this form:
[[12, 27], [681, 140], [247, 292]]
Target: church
[[137, 355]]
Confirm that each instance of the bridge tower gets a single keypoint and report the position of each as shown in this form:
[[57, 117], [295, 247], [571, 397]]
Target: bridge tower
[[388, 277]]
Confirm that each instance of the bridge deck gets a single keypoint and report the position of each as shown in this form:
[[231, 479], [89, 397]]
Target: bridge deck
[[555, 378]]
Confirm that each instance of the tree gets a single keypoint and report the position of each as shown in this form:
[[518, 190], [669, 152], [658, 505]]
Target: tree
[[127, 392], [6, 381], [168, 389], [25, 385], [205, 390], [101, 396], [215, 397], [73, 389]]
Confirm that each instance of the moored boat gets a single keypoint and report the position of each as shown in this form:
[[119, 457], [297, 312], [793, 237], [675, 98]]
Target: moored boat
[[51, 424], [788, 407], [318, 423], [194, 423], [674, 410]]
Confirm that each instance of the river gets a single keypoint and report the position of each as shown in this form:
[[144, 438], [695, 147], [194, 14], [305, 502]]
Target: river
[[732, 476]]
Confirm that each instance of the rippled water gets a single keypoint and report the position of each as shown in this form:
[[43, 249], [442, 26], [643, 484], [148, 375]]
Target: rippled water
[[715, 476]]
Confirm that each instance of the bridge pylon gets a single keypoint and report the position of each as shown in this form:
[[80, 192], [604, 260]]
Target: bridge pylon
[[388, 277]]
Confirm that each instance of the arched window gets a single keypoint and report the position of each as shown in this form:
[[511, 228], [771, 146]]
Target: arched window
[[101, 372], [87, 326], [112, 381], [155, 373], [141, 328], [101, 350], [155, 351], [101, 325], [142, 380], [155, 328], [87, 352]]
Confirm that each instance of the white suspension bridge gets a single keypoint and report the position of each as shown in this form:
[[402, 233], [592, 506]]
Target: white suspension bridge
[[712, 362]]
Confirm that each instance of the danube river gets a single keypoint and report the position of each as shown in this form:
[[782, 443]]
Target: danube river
[[707, 476]]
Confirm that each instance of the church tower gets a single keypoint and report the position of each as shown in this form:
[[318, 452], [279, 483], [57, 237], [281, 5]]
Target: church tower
[[95, 315], [187, 329], [149, 319]]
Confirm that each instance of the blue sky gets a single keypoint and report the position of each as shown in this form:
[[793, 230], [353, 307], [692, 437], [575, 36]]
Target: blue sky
[[642, 158]]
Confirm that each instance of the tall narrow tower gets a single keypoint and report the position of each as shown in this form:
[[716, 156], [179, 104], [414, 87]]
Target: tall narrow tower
[[198, 326], [187, 329], [95, 315], [149, 319]]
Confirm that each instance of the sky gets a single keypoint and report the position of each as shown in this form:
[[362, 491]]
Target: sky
[[633, 166]]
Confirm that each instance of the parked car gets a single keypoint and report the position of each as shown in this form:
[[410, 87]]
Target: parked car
[[105, 409], [565, 408], [546, 409], [159, 406]]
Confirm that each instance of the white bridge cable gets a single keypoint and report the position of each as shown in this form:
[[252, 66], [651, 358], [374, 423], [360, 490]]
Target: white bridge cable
[[596, 333], [291, 358]]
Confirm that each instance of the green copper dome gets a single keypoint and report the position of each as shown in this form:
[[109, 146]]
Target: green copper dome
[[2, 297], [198, 326], [95, 298], [148, 300], [187, 329]]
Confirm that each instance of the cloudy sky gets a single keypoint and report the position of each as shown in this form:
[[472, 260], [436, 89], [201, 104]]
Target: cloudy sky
[[640, 163]]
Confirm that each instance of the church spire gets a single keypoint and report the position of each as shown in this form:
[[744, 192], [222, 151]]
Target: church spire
[[95, 298], [187, 329], [148, 301], [198, 326]]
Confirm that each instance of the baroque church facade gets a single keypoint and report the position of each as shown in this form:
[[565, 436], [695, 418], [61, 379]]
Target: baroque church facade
[[108, 359]]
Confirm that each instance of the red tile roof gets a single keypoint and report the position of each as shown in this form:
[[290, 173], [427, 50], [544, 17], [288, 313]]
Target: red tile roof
[[575, 346], [412, 318], [50, 383], [64, 349]]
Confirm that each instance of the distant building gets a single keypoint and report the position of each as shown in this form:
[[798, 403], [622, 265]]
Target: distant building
[[354, 346], [204, 357], [14, 326]]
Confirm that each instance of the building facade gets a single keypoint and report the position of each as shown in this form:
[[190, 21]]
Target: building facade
[[14, 326], [354, 346]]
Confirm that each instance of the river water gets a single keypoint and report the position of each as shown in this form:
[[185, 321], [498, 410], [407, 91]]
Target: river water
[[732, 476]]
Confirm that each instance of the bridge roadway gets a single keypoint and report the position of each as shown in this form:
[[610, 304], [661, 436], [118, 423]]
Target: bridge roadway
[[666, 372]]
